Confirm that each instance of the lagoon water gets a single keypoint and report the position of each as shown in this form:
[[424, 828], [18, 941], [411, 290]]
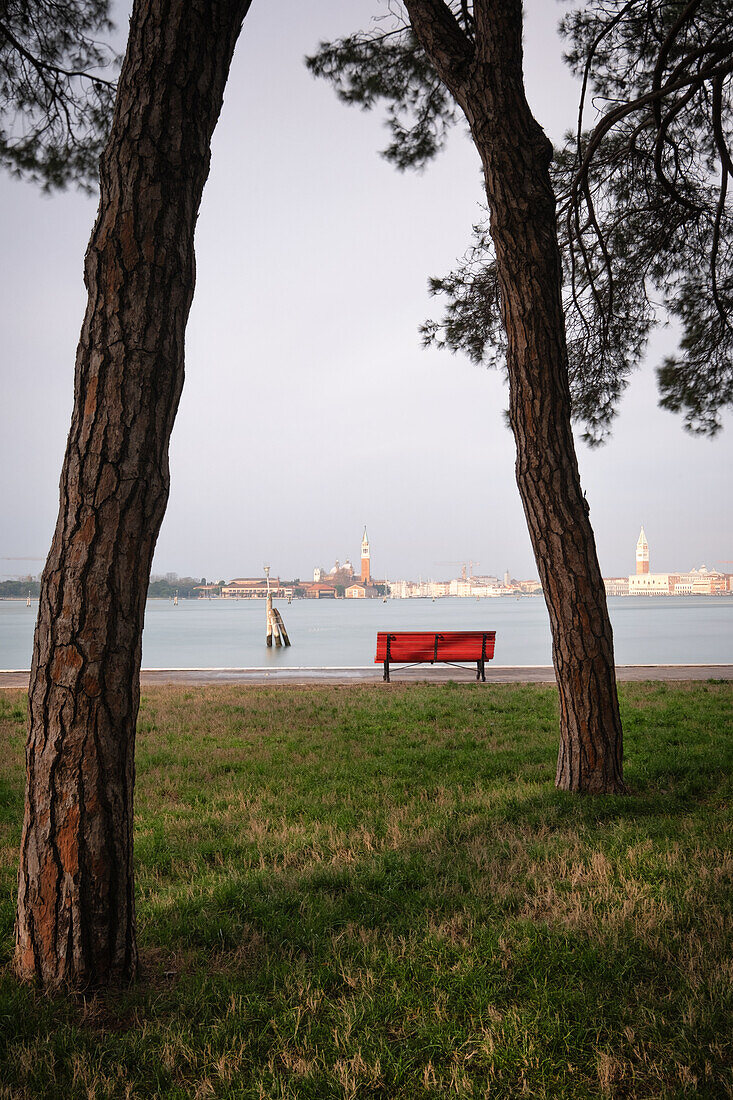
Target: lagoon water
[[342, 633]]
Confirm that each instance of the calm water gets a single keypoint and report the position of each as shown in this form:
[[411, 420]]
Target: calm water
[[231, 634]]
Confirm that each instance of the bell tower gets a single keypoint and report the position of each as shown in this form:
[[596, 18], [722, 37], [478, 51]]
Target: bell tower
[[642, 554], [365, 566]]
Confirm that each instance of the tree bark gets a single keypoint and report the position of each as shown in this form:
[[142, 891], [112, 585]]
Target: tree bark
[[76, 911], [486, 78]]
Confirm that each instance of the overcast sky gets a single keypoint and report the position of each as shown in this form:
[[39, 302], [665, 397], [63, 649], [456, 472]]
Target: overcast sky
[[310, 408]]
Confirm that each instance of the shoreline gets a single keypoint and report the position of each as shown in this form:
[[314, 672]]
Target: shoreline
[[372, 674]]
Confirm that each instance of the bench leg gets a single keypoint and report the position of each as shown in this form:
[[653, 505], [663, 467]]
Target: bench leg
[[386, 671], [481, 671]]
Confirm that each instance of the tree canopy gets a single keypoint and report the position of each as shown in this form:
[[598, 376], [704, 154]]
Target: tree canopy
[[642, 188], [57, 87]]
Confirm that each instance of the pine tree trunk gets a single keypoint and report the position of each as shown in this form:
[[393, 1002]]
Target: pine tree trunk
[[486, 78], [75, 920]]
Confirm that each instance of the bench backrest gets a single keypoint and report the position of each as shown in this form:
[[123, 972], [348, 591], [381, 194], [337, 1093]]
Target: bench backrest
[[444, 645]]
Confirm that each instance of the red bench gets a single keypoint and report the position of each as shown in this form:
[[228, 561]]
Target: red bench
[[427, 647]]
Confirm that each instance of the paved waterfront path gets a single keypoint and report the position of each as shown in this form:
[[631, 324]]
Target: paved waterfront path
[[372, 674]]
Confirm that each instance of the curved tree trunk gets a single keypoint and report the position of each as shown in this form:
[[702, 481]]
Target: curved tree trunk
[[486, 78], [76, 913]]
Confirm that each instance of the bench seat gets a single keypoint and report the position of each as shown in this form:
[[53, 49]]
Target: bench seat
[[429, 647]]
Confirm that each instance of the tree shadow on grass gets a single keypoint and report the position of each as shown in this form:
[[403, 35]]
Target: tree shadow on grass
[[578, 950]]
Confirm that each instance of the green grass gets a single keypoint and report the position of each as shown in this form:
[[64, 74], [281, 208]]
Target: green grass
[[366, 892]]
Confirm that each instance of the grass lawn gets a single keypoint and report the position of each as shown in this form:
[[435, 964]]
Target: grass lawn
[[377, 892]]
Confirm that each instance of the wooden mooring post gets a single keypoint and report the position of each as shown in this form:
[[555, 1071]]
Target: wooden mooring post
[[275, 625]]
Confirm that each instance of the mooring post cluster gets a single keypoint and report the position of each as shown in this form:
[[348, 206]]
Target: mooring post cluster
[[275, 625]]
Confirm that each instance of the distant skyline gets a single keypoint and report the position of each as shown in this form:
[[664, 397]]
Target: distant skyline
[[438, 571], [309, 407]]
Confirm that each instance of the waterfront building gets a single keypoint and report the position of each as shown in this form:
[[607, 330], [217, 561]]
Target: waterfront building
[[481, 591], [359, 591], [460, 587], [410, 590], [642, 554], [649, 584], [484, 579], [365, 559], [252, 588], [338, 574], [616, 585], [700, 582], [529, 587], [318, 591]]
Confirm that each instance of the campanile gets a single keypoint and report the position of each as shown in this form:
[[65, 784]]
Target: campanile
[[642, 554], [365, 567]]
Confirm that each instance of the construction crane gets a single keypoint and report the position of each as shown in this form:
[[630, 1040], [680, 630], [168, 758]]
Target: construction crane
[[463, 564]]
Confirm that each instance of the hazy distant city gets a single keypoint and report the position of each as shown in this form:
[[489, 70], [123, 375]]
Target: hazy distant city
[[342, 581]]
